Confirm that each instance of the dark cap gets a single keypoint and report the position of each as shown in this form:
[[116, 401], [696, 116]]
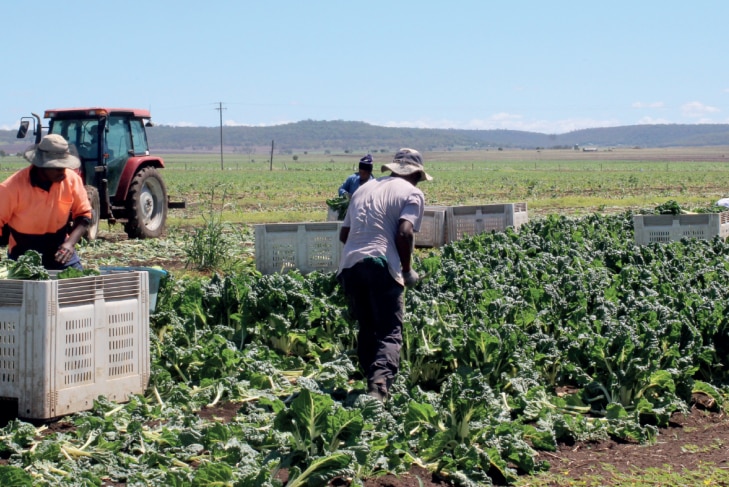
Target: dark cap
[[366, 163]]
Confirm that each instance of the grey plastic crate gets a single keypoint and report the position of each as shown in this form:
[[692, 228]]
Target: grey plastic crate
[[307, 247], [63, 343], [433, 232], [666, 228], [472, 220]]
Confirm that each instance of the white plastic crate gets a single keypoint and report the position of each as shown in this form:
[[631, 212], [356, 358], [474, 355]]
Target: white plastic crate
[[332, 215], [155, 279], [667, 228], [472, 220], [307, 247], [432, 228], [64, 343]]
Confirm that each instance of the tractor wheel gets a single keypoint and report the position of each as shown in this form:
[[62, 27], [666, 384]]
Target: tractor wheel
[[146, 205], [93, 229]]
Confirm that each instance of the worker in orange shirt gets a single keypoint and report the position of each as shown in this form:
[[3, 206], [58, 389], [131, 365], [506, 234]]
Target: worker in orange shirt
[[38, 202]]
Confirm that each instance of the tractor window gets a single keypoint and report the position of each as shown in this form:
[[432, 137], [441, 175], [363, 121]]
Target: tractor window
[[139, 138], [118, 145], [71, 130], [82, 137], [118, 141], [88, 142]]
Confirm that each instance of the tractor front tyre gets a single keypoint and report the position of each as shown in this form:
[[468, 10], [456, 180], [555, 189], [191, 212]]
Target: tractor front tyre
[[93, 230], [146, 205]]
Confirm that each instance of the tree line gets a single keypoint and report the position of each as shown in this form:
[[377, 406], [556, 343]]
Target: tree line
[[339, 136]]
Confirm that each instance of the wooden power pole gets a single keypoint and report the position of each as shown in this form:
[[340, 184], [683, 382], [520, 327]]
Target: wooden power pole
[[220, 109], [270, 166]]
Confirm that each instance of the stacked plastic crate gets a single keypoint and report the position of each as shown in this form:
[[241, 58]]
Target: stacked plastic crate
[[446, 224]]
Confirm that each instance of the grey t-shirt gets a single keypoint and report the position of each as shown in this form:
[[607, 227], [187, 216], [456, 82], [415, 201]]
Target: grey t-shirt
[[373, 218]]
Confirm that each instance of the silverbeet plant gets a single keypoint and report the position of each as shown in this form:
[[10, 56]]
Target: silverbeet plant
[[29, 266], [512, 343]]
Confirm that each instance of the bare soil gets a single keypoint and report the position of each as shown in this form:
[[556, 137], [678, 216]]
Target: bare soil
[[698, 438]]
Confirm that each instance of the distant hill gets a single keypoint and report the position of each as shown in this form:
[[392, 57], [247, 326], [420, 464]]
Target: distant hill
[[344, 136]]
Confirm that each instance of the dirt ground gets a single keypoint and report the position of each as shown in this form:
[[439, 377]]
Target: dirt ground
[[698, 438]]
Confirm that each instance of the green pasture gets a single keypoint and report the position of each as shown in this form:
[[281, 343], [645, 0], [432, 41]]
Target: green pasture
[[252, 188]]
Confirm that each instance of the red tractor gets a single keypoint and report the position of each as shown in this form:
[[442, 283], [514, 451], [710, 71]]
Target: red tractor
[[122, 180]]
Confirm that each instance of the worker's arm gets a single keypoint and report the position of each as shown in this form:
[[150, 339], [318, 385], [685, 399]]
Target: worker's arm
[[404, 243], [343, 234], [65, 251], [81, 212], [344, 188]]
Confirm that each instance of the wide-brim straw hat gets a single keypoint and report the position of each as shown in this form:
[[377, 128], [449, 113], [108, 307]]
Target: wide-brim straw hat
[[407, 162], [52, 152]]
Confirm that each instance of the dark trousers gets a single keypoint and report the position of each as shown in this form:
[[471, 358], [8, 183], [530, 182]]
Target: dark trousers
[[376, 302]]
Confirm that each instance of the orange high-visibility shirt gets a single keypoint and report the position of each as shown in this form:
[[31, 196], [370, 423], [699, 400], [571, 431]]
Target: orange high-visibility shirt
[[39, 218]]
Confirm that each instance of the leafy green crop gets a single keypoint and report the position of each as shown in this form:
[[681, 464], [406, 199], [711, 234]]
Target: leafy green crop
[[29, 266], [512, 343], [71, 272], [340, 205]]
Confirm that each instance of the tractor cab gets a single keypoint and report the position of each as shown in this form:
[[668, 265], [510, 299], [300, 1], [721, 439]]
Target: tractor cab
[[122, 179]]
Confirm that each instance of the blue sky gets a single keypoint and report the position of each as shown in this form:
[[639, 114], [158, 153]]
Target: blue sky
[[548, 67]]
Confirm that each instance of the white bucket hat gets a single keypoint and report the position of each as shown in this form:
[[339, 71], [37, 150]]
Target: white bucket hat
[[52, 152]]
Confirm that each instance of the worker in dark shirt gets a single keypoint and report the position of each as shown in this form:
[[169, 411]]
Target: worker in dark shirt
[[364, 173]]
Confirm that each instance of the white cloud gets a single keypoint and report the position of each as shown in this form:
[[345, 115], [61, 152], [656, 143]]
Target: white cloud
[[179, 124], [696, 109], [641, 104], [506, 121], [226, 123], [233, 123], [505, 117], [652, 121]]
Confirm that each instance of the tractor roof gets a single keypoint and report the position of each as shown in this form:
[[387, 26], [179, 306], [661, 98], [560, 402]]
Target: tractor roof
[[95, 112]]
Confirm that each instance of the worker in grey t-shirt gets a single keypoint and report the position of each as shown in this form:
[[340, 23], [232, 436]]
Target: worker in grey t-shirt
[[377, 233]]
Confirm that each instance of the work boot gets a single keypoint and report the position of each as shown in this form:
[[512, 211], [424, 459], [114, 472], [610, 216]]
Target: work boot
[[377, 390]]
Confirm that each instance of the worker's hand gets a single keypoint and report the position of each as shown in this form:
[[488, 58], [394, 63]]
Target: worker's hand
[[346, 195], [410, 277], [64, 253]]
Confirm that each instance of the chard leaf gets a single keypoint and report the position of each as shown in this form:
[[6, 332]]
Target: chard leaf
[[306, 420], [29, 266], [210, 473], [11, 475], [321, 470]]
